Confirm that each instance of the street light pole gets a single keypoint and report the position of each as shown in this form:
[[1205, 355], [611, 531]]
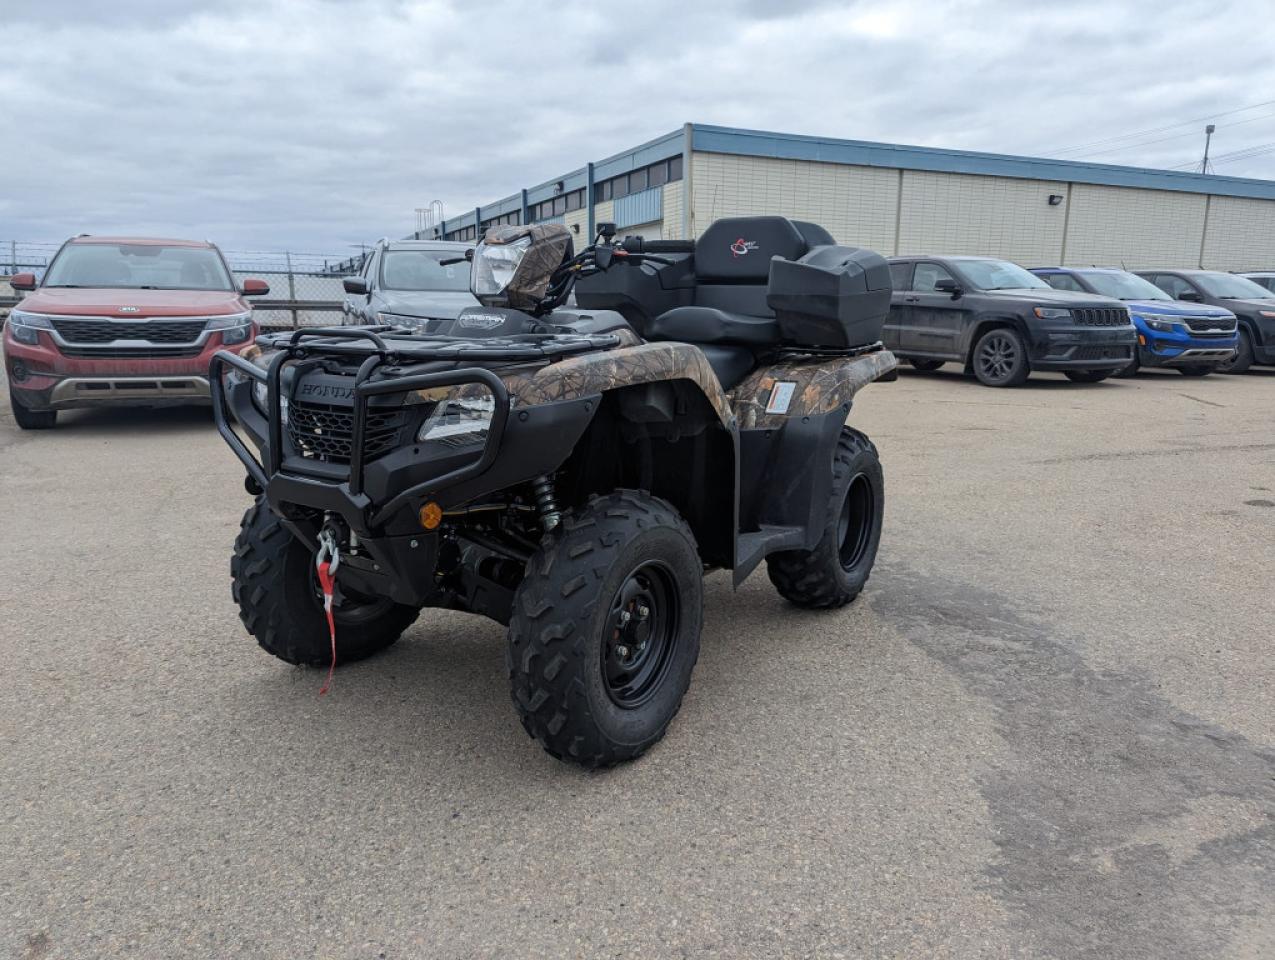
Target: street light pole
[[1208, 137]]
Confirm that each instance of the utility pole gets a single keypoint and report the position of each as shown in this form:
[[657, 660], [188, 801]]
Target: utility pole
[[1208, 137]]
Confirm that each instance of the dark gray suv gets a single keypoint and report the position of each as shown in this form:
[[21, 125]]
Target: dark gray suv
[[408, 283], [1001, 322], [1252, 304]]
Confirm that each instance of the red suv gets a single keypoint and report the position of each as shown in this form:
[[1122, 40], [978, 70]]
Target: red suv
[[122, 320]]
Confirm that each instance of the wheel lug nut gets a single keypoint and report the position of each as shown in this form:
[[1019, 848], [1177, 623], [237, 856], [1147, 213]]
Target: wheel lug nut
[[622, 651], [625, 616], [644, 612]]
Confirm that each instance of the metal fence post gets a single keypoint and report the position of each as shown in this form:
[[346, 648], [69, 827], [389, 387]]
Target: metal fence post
[[292, 291]]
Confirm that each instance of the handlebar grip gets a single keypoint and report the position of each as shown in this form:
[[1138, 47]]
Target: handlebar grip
[[641, 245]]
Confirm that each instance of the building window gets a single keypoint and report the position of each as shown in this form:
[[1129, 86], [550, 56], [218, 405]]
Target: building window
[[602, 191], [659, 174], [620, 186], [638, 180], [675, 169]]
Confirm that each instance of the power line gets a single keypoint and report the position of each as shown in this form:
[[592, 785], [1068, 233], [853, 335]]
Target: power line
[[1143, 133], [1246, 153], [1176, 136]]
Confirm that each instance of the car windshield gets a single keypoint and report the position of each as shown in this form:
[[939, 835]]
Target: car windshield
[[1230, 287], [997, 275], [422, 270], [1123, 286], [138, 266]]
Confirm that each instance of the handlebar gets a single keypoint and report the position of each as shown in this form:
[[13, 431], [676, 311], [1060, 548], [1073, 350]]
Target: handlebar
[[642, 245]]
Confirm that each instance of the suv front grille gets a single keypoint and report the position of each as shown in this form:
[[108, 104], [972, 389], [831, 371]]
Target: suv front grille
[[1100, 353], [1211, 326], [139, 353], [89, 331], [321, 431], [1101, 316]]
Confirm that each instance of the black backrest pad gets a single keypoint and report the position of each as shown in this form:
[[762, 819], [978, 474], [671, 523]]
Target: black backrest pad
[[739, 248], [815, 235]]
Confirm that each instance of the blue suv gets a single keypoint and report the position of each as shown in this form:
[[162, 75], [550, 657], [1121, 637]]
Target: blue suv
[[1193, 338]]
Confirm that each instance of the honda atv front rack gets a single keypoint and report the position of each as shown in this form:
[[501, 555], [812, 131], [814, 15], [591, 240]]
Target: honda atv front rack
[[364, 388], [398, 344]]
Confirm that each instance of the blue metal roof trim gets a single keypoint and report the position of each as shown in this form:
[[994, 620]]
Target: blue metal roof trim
[[543, 191], [661, 148], [641, 207], [761, 143]]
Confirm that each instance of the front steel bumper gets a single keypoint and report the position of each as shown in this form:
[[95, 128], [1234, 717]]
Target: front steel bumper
[[379, 500]]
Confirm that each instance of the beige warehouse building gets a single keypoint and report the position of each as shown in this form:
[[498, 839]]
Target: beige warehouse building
[[902, 199]]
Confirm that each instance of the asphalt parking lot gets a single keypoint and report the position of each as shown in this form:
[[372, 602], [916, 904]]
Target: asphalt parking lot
[[1045, 730]]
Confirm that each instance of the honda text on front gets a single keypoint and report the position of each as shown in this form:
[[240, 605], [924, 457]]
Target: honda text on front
[[122, 320]]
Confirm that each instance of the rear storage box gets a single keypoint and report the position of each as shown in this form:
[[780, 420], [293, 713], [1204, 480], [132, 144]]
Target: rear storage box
[[833, 297]]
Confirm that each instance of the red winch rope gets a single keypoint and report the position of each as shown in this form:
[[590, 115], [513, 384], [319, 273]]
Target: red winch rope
[[327, 582]]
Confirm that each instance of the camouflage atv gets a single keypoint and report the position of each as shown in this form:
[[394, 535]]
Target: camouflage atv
[[571, 473]]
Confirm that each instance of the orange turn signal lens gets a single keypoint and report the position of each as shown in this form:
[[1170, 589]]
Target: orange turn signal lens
[[431, 515]]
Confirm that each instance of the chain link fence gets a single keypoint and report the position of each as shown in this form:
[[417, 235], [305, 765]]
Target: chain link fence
[[305, 288]]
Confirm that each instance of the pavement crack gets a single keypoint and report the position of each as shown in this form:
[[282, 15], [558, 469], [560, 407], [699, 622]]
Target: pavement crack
[[1142, 454], [1207, 403]]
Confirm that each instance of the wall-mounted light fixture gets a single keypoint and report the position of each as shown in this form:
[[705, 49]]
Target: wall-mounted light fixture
[[1055, 199], [559, 187], [575, 228]]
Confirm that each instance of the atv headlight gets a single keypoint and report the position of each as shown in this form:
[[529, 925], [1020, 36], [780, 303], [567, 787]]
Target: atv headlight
[[494, 266], [26, 326], [235, 327], [462, 419]]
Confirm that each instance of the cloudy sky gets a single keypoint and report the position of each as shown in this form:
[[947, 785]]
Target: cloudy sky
[[316, 124]]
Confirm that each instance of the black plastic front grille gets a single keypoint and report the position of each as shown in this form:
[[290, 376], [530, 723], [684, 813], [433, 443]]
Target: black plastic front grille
[[107, 331], [103, 353], [1100, 353], [1101, 316], [325, 432], [1217, 326]]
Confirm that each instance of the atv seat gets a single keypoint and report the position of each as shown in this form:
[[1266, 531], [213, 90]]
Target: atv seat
[[730, 319]]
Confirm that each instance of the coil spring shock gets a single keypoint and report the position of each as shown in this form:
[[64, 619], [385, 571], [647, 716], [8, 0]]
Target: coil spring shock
[[542, 487]]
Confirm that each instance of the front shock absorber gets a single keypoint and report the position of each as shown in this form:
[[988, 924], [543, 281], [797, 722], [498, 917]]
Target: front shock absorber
[[542, 487]]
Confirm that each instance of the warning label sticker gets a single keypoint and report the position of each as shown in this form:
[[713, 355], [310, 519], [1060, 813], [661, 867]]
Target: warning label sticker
[[781, 396]]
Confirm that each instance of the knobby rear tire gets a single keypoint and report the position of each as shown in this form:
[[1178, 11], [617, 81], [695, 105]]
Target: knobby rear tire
[[835, 571]]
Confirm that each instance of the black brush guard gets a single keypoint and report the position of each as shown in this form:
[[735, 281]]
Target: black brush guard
[[347, 497]]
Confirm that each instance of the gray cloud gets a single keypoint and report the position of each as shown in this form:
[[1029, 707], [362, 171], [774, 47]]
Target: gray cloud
[[315, 125]]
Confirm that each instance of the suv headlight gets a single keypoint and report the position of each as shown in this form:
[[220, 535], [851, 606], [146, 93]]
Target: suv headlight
[[462, 419], [402, 320], [26, 326], [1052, 313], [1162, 323], [235, 327]]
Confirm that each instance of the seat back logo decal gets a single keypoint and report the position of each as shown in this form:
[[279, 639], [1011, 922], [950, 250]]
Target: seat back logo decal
[[741, 247]]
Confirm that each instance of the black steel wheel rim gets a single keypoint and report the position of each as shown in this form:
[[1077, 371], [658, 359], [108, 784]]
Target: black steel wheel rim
[[854, 525], [641, 631], [998, 356]]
